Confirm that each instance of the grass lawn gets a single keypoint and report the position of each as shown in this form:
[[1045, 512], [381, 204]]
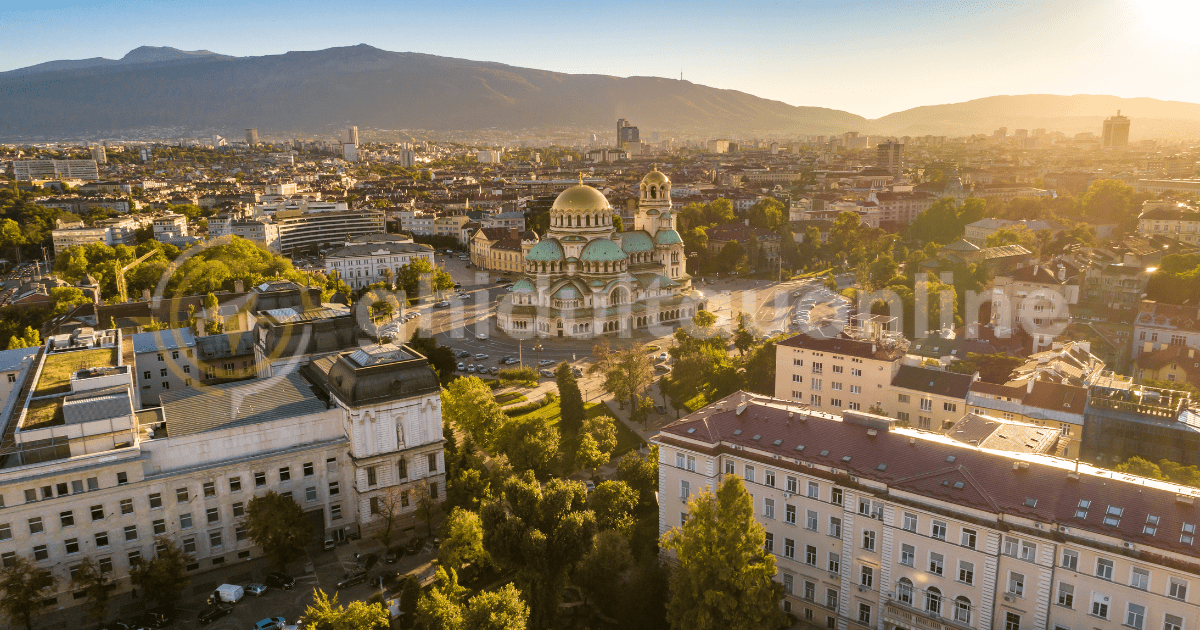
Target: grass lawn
[[57, 368], [44, 413], [696, 402], [510, 398]]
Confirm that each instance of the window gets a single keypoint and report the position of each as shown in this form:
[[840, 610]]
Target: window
[[835, 562], [1104, 568], [162, 373], [210, 489], [72, 545], [729, 467], [374, 505], [791, 485], [904, 591], [867, 577], [769, 508], [816, 368], [926, 404], [126, 506], [371, 478], [835, 496], [285, 473], [815, 384], [155, 501], [97, 512], [310, 494], [5, 531], [240, 533], [1140, 578], [789, 515], [949, 406], [868, 540], [770, 545], [903, 398], [814, 490], [810, 590], [789, 548], [685, 489], [189, 545], [1070, 559], [214, 515], [131, 533], [910, 522], [831, 600], [308, 469], [966, 572], [1177, 588], [1012, 621], [1100, 605], [41, 553], [1066, 595], [335, 511], [810, 555], [962, 609], [1135, 616], [749, 473], [1028, 551], [907, 555], [939, 530], [810, 520], [185, 521], [214, 538], [431, 462], [768, 477], [260, 480], [159, 526], [933, 600], [968, 538], [835, 527], [1172, 622], [35, 525], [814, 400], [935, 563], [67, 518], [864, 613], [1016, 584], [789, 583]]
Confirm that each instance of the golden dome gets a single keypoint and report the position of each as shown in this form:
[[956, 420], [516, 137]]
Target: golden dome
[[655, 177], [581, 197]]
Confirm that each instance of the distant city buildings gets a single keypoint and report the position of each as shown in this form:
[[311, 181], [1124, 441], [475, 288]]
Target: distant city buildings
[[626, 134], [890, 155], [1115, 134], [86, 170], [252, 137]]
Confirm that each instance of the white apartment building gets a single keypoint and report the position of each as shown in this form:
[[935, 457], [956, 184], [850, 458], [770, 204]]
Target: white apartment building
[[505, 220], [878, 527], [1175, 221], [56, 169], [365, 264], [1158, 326], [96, 480], [1036, 298]]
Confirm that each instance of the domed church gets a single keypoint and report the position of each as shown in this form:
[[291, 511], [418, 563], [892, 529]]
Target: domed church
[[584, 278]]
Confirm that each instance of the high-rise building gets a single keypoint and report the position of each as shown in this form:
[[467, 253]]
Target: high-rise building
[[1116, 132], [626, 133], [252, 137], [56, 169], [99, 154], [890, 155], [352, 135], [1000, 134]]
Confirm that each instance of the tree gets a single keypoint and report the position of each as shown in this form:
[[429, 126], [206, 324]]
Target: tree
[[469, 404], [768, 214], [497, 610], [441, 607], [389, 500], [410, 594], [530, 443], [604, 430], [643, 406], [419, 277], [600, 573], [278, 525], [625, 371], [724, 578], [440, 357], [743, 337], [992, 368], [164, 577], [614, 503], [571, 399], [704, 319], [641, 474], [88, 578], [210, 301], [589, 456], [462, 540], [427, 503], [24, 586], [326, 614], [1140, 467], [539, 533]]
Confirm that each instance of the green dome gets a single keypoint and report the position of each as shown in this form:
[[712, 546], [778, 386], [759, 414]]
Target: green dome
[[523, 286], [546, 250], [636, 242], [667, 237], [601, 250]]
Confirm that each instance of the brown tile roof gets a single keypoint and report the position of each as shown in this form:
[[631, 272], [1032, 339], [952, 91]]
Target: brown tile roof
[[844, 345], [930, 381], [994, 389], [954, 474]]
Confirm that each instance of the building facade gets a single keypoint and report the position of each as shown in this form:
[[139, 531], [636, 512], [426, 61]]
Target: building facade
[[362, 265]]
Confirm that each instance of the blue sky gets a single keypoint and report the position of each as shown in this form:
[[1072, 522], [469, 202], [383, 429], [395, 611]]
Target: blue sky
[[866, 57]]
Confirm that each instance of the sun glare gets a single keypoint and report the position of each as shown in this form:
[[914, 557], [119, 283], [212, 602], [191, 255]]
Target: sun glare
[[1176, 19]]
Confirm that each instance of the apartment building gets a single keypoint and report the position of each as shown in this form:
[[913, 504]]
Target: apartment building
[[261, 230], [85, 170], [309, 230], [1035, 298], [505, 220], [88, 477], [927, 398], [450, 226], [875, 526], [501, 249], [901, 208], [1178, 222], [840, 372], [1160, 325], [366, 264]]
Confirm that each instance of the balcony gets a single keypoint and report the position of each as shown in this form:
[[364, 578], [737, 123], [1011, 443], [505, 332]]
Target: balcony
[[903, 616]]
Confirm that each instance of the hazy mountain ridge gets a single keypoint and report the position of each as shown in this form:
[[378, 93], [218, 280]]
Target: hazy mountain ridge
[[314, 91]]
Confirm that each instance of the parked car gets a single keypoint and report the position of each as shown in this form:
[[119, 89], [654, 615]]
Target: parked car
[[590, 485], [214, 613], [471, 369], [255, 589], [442, 304], [392, 555], [662, 368], [547, 373], [660, 409], [577, 372], [352, 578], [462, 354], [414, 545], [664, 356], [481, 336], [653, 348], [481, 356], [511, 361], [280, 580], [228, 593], [545, 362], [461, 367], [271, 623]]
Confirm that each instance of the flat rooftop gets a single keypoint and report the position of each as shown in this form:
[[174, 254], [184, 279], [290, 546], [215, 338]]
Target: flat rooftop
[[58, 367]]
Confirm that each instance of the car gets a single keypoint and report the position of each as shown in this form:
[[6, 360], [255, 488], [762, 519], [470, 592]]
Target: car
[[590, 486], [414, 545], [330, 544], [481, 356], [214, 613], [463, 354], [392, 555], [577, 372], [511, 361], [664, 356], [481, 336], [276, 579], [653, 348], [151, 619], [460, 366], [547, 373], [442, 304], [271, 623], [545, 362], [662, 368], [495, 370], [365, 561], [471, 369], [255, 589], [350, 579], [660, 409]]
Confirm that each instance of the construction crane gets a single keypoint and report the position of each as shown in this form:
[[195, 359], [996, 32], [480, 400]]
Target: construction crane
[[121, 274]]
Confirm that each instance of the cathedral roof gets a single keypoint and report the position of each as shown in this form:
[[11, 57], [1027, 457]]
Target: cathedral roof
[[667, 237], [580, 197], [655, 177], [567, 292], [601, 250], [638, 241], [523, 286], [546, 250]]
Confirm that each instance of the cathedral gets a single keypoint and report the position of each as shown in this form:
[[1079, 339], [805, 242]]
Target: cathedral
[[584, 278]]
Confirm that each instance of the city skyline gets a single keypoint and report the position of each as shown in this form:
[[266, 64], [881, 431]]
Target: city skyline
[[817, 53]]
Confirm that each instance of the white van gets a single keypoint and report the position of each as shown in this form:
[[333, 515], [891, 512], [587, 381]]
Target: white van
[[228, 593]]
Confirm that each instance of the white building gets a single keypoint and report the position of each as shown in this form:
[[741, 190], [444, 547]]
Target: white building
[[56, 169], [364, 264], [488, 156]]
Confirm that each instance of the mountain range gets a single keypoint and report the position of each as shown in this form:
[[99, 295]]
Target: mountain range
[[314, 92]]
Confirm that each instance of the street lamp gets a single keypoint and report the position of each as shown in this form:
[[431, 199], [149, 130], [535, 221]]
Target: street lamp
[[538, 349]]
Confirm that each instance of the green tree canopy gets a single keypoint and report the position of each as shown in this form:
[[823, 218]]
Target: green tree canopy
[[601, 572], [164, 577], [278, 524], [571, 399], [325, 613], [614, 503], [470, 406], [462, 540], [24, 586]]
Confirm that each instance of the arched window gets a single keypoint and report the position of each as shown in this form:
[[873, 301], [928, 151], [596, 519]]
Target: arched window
[[962, 609], [654, 192], [933, 600], [904, 591]]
